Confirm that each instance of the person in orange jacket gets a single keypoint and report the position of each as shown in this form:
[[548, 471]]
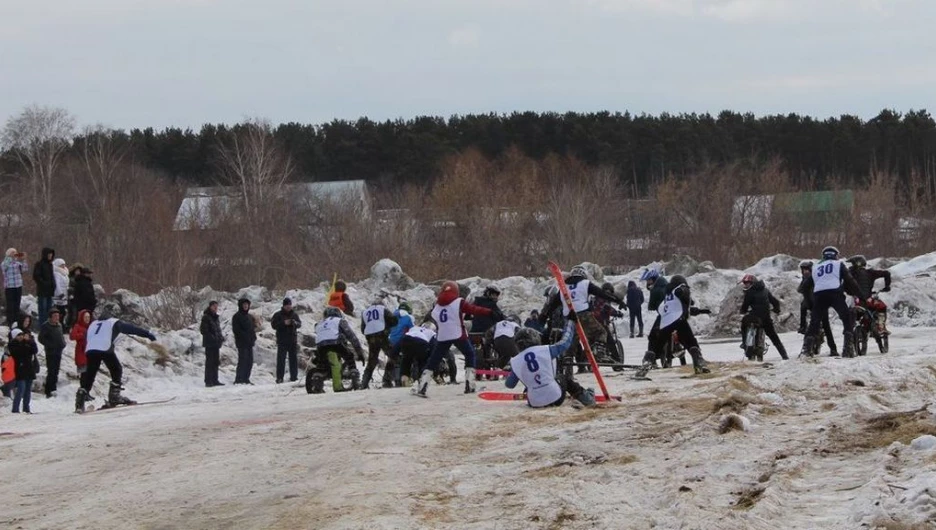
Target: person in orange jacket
[[79, 334], [340, 299], [7, 373]]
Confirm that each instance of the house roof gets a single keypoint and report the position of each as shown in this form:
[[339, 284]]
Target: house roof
[[205, 207]]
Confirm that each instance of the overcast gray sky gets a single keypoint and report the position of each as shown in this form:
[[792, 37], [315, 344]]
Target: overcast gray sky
[[136, 63]]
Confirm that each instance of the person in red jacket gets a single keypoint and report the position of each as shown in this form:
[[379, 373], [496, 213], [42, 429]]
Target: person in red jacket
[[79, 334], [448, 315], [7, 374]]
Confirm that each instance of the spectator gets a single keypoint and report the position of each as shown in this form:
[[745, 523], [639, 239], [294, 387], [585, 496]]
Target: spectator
[[488, 299], [14, 265], [52, 338], [286, 323], [79, 334], [83, 295], [44, 276], [245, 336], [24, 324], [23, 349], [635, 300], [212, 339], [60, 298], [7, 374], [533, 322], [340, 299]]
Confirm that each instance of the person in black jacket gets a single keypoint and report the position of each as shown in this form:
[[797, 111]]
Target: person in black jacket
[[675, 310], [830, 282], [52, 338], [757, 305], [865, 279], [23, 349], [245, 336], [212, 339], [635, 300], [286, 323], [44, 276], [376, 322], [805, 289], [488, 299], [83, 296]]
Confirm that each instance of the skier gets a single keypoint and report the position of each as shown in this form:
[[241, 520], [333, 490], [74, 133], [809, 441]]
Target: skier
[[376, 321], [332, 355], [52, 338], [635, 300], [830, 281], [535, 367], [806, 288], [286, 323], [757, 305], [501, 338], [413, 351], [865, 279], [245, 336], [448, 315], [580, 287], [212, 340], [674, 313], [101, 336]]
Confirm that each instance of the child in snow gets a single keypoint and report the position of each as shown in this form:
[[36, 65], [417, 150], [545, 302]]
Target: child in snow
[[23, 349]]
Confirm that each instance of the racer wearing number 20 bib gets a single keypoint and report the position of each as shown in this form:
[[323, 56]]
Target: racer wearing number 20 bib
[[448, 315]]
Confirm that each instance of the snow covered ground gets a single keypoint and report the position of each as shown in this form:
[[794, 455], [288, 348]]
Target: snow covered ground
[[823, 443]]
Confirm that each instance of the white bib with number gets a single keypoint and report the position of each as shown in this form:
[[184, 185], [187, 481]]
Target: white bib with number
[[579, 294], [374, 319], [101, 335], [534, 367], [328, 329], [421, 333], [448, 320], [506, 328], [670, 310], [827, 275]]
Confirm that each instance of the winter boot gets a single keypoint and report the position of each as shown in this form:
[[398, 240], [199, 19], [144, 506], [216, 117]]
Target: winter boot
[[848, 349], [368, 374], [423, 385], [698, 363], [81, 397], [114, 398], [809, 346], [585, 398], [782, 351], [469, 380], [648, 363]]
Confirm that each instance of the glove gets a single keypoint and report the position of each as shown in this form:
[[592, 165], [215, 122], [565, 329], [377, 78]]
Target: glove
[[573, 316], [886, 289], [151, 337]]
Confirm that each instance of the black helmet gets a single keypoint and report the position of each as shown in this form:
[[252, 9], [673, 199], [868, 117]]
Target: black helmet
[[678, 280], [491, 290], [858, 261], [607, 287], [331, 311], [830, 252], [527, 338]]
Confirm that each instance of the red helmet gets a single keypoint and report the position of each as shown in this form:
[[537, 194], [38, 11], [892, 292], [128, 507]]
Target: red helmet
[[449, 286], [747, 281]]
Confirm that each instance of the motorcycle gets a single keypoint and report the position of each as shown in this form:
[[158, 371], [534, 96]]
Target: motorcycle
[[673, 349], [870, 320], [755, 345]]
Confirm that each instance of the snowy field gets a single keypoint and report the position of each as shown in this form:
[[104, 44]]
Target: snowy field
[[820, 444]]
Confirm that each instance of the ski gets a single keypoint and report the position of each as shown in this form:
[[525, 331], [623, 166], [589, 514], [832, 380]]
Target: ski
[[105, 407], [518, 396], [496, 373], [567, 298]]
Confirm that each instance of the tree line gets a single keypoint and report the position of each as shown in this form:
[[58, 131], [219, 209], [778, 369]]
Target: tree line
[[641, 150]]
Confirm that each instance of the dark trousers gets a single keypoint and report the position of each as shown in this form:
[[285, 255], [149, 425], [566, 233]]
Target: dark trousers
[[45, 305], [7, 388], [506, 348], [769, 330], [413, 354], [63, 317], [245, 360], [375, 344], [95, 358], [14, 297], [442, 347], [282, 351], [822, 302], [212, 361], [23, 393], [636, 314], [662, 336], [654, 339], [570, 386], [53, 363]]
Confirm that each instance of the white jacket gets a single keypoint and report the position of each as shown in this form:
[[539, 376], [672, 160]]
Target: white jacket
[[61, 285]]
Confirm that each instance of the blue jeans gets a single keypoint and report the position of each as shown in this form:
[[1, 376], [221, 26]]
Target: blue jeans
[[442, 348], [45, 305], [23, 393]]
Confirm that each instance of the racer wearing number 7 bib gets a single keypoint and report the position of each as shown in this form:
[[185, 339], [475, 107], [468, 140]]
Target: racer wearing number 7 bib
[[448, 315], [535, 367]]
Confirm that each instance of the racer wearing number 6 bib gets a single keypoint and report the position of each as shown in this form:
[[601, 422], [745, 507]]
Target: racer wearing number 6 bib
[[535, 367], [831, 280], [448, 315]]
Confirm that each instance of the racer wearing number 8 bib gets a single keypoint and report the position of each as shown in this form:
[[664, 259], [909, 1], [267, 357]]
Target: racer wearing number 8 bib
[[535, 367]]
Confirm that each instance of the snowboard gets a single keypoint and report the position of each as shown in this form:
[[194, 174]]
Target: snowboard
[[519, 396], [105, 407]]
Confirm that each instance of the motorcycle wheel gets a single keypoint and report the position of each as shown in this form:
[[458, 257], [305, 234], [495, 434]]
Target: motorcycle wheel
[[861, 341], [618, 356]]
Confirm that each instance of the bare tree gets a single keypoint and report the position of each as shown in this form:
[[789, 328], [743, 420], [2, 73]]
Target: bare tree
[[251, 160], [38, 138]]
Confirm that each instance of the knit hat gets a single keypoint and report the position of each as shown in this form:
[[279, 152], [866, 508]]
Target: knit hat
[[10, 252], [16, 332], [287, 301]]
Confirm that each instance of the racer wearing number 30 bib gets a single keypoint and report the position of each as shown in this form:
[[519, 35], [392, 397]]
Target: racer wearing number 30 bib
[[830, 280], [448, 315]]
